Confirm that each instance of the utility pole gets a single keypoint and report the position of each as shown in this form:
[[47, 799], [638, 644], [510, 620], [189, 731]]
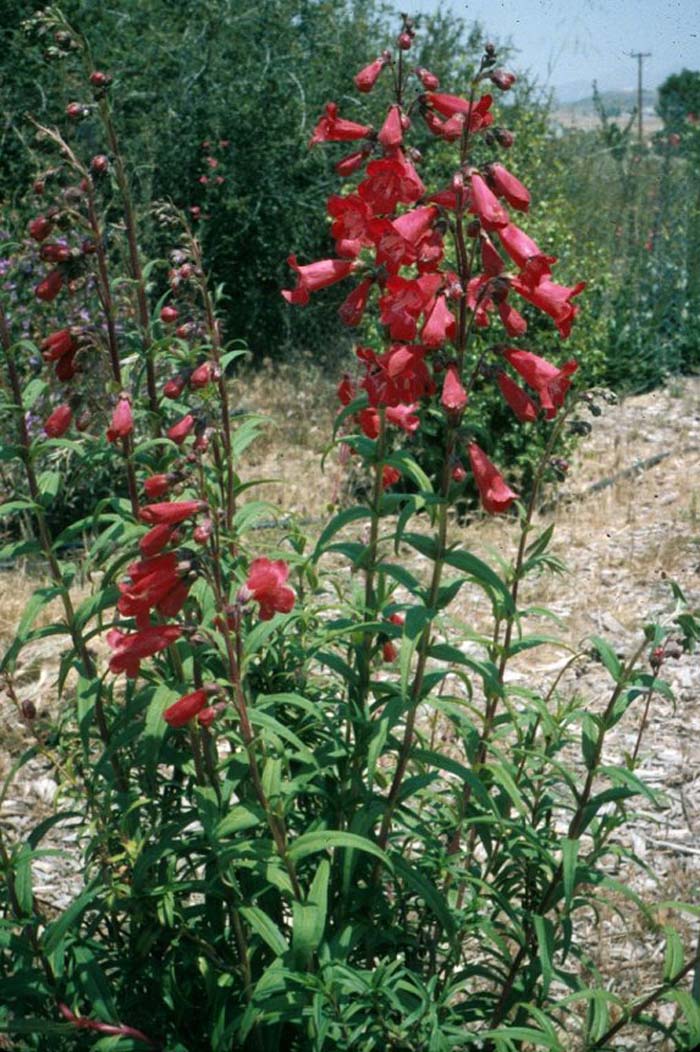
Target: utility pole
[[640, 56]]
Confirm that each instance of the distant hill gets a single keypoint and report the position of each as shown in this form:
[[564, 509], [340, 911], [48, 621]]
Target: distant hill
[[615, 102]]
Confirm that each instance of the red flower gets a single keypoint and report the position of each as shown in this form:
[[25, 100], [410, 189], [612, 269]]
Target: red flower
[[389, 651], [49, 288], [154, 584], [525, 253], [485, 204], [58, 344], [266, 585], [156, 539], [550, 382], [316, 276], [398, 376], [351, 217], [490, 257], [390, 181], [520, 402], [439, 325], [171, 513], [129, 649], [351, 163], [346, 390], [59, 422], [454, 397], [332, 128], [502, 79], [506, 185], [367, 77], [513, 321], [66, 368], [390, 476], [429, 81], [179, 431], [40, 228], [391, 132], [55, 253], [204, 374], [173, 388], [186, 708], [496, 495], [122, 421], [353, 306], [156, 486], [554, 300], [403, 301]]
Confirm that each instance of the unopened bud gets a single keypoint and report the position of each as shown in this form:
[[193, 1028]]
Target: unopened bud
[[98, 79], [404, 41], [28, 710], [502, 79], [76, 111], [473, 228], [83, 421], [504, 137], [99, 164]]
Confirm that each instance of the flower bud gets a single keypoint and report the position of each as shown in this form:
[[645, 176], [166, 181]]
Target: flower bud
[[504, 137], [55, 253], [49, 288], [174, 387], [58, 422], [28, 710], [83, 421], [202, 532], [76, 111], [99, 165], [98, 79], [502, 79], [429, 81], [40, 228], [473, 228], [458, 472], [88, 247], [156, 486], [404, 41], [169, 314], [39, 186]]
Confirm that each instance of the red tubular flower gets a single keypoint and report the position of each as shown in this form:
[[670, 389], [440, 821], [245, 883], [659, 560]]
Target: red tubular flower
[[429, 81], [525, 253], [171, 513], [554, 300], [204, 374], [156, 539], [440, 324], [403, 301], [129, 649], [40, 228], [332, 128], [353, 306], [156, 486], [351, 216], [346, 390], [122, 421], [448, 105], [404, 417], [54, 253], [390, 181], [174, 387], [66, 367], [486, 205], [518, 400], [367, 77], [391, 132], [49, 288], [550, 382], [490, 257], [179, 431], [454, 397], [496, 495], [352, 163], [186, 708], [506, 185], [58, 344], [149, 587], [389, 651], [513, 321], [316, 276], [398, 376], [58, 422], [266, 585], [390, 476]]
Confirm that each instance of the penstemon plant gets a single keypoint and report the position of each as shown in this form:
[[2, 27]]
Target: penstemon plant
[[314, 811]]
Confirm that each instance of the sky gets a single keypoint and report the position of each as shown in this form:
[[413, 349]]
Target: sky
[[568, 43]]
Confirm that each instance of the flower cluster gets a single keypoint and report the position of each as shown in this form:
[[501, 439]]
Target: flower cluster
[[442, 264]]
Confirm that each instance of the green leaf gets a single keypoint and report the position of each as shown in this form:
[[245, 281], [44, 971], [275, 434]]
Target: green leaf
[[544, 930], [9, 507], [56, 930], [590, 734], [337, 523], [426, 890], [327, 840], [673, 954], [523, 1033], [242, 816], [266, 928], [477, 570], [309, 918], [608, 657], [569, 854]]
